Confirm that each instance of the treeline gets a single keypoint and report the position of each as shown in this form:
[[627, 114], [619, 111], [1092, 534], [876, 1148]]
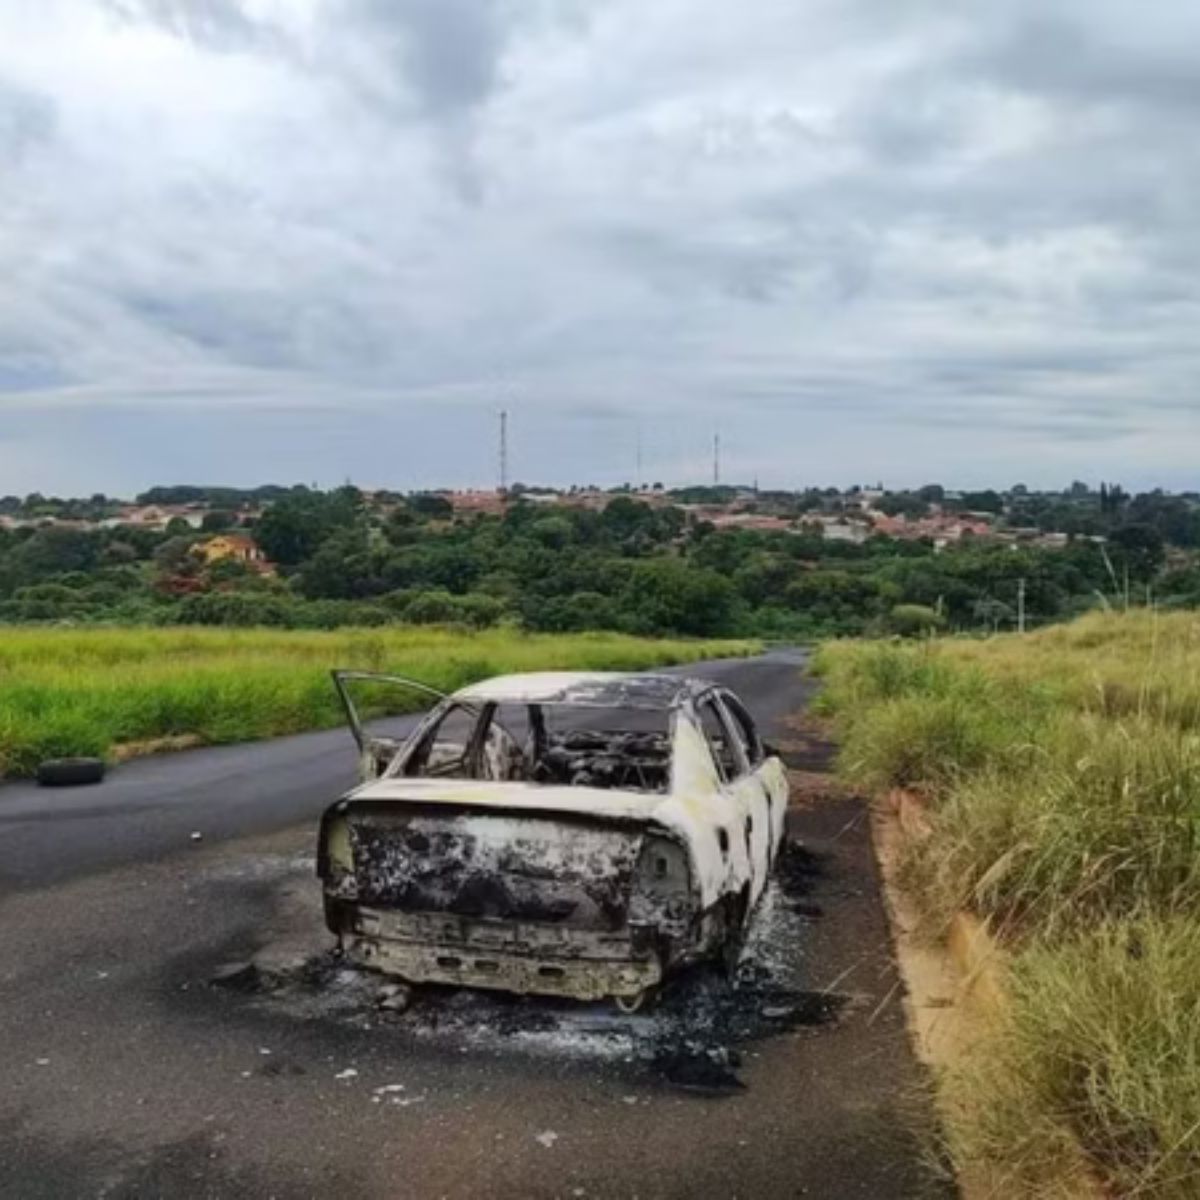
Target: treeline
[[635, 567]]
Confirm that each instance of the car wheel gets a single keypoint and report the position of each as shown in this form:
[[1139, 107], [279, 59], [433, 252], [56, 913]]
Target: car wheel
[[70, 772]]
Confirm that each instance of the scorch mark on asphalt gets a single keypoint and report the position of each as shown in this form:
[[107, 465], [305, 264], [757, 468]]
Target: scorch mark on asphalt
[[695, 1037]]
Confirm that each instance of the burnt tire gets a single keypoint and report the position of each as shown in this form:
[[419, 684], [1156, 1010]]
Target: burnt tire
[[70, 772], [729, 955]]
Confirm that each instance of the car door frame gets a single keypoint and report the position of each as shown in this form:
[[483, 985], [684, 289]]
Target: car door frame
[[373, 750], [745, 808], [755, 791]]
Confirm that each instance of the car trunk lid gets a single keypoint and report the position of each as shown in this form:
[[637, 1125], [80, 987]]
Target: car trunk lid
[[492, 863]]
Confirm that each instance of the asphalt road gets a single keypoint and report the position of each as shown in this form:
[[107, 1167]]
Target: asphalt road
[[127, 1072], [148, 809]]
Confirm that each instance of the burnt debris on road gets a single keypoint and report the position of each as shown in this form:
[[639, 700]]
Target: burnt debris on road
[[694, 1036]]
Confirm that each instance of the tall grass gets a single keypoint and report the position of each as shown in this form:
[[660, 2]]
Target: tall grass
[[1100, 1046], [84, 691], [910, 716], [1062, 771], [1101, 820]]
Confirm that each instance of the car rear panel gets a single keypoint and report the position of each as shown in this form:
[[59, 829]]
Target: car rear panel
[[494, 865], [525, 902]]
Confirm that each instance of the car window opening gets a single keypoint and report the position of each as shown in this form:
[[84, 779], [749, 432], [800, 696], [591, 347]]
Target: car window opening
[[563, 745], [717, 736]]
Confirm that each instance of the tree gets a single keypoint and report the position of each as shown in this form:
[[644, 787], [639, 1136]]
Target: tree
[[118, 553], [228, 571], [994, 613], [293, 527], [989, 501], [430, 506], [217, 521], [55, 549], [623, 517], [555, 532], [666, 596], [339, 569], [175, 554], [1138, 549], [895, 504]]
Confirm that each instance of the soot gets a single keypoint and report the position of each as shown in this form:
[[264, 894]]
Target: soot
[[694, 1037]]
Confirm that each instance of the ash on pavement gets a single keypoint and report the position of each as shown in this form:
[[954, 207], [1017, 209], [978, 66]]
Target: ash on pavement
[[694, 1037]]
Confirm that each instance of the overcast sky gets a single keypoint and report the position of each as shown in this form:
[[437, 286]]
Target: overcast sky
[[304, 240]]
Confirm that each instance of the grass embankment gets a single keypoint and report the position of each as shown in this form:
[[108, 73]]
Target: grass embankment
[[84, 691], [1062, 773]]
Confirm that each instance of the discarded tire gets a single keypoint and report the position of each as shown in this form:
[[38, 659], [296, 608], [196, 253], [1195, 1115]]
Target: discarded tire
[[70, 772]]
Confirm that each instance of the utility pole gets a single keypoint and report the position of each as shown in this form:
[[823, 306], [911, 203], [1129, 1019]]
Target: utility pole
[[1021, 605], [716, 459], [503, 450]]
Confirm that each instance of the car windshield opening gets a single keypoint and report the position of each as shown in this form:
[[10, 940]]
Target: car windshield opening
[[562, 745]]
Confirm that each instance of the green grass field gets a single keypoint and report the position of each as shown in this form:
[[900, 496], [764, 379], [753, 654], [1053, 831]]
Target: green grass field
[[83, 691], [1062, 770]]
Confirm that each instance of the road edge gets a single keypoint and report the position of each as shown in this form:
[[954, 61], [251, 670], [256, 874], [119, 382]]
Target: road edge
[[954, 990]]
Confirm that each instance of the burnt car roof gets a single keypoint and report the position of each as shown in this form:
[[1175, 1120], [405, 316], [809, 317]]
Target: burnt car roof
[[599, 689]]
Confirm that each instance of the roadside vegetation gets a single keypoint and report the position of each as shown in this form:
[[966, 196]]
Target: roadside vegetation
[[1062, 776], [84, 691]]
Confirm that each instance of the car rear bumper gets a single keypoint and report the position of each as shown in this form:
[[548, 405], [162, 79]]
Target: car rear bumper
[[506, 955]]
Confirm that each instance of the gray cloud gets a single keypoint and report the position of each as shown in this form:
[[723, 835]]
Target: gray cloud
[[1120, 61], [449, 49], [27, 121], [862, 239]]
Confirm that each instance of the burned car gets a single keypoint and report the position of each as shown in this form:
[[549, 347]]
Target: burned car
[[576, 835]]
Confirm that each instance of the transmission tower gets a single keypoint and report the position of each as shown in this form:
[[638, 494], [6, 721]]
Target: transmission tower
[[503, 450]]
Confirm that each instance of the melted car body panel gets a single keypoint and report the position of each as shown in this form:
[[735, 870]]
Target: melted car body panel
[[588, 854]]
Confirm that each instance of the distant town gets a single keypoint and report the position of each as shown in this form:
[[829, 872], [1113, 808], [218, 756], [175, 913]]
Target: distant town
[[941, 516], [709, 560]]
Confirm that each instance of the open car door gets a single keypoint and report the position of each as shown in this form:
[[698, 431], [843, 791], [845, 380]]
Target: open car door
[[375, 751]]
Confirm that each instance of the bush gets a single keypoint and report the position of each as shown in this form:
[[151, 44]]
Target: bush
[[915, 620], [233, 608], [430, 608]]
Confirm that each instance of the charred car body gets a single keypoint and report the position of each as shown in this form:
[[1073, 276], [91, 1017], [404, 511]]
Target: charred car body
[[579, 835]]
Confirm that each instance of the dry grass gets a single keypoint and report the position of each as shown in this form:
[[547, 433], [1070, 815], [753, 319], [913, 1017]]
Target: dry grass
[[1063, 774]]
